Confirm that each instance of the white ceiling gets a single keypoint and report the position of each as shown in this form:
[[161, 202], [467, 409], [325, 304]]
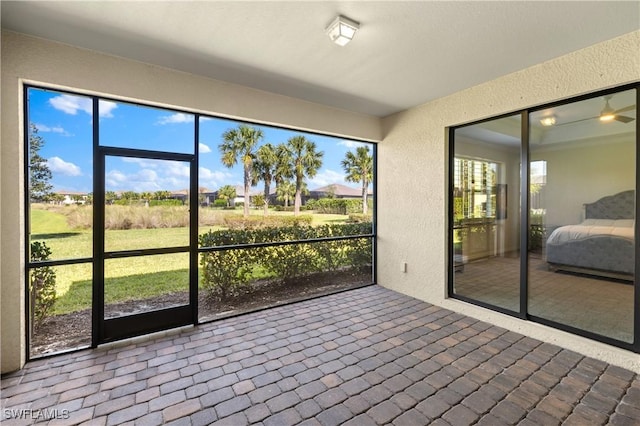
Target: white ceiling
[[406, 53]]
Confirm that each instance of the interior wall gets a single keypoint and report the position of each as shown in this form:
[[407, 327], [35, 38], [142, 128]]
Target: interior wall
[[584, 173], [29, 59], [412, 223]]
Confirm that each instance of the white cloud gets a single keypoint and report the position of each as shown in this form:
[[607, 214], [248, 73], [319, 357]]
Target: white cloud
[[352, 144], [106, 107], [56, 129], [213, 179], [154, 175], [166, 167], [178, 117], [114, 179], [175, 169], [204, 149], [70, 104], [58, 165], [143, 180], [325, 177]]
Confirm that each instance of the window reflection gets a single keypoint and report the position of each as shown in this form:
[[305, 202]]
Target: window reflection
[[486, 182], [582, 215]]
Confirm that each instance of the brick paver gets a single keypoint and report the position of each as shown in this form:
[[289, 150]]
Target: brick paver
[[366, 356]]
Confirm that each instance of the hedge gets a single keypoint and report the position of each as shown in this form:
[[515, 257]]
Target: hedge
[[228, 272], [336, 205]]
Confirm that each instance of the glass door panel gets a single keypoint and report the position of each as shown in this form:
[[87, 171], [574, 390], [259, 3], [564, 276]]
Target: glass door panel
[[146, 259], [146, 203], [145, 283], [582, 215], [486, 212]]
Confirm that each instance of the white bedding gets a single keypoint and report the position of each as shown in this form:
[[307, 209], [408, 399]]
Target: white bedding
[[622, 228]]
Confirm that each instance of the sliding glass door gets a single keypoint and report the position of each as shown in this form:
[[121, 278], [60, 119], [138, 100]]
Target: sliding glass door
[[582, 213], [542, 215]]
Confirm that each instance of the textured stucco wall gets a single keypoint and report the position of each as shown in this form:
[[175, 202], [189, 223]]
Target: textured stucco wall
[[412, 192], [39, 61]]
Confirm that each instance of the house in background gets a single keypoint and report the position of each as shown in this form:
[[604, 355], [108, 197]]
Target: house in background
[[461, 62], [334, 190], [72, 197], [240, 196]]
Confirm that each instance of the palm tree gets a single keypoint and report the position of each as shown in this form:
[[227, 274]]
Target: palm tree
[[359, 168], [227, 193], [285, 191], [306, 162], [240, 144], [265, 169], [146, 197], [162, 195]]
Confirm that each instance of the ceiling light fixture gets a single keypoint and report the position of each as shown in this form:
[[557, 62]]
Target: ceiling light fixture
[[548, 121], [341, 30]]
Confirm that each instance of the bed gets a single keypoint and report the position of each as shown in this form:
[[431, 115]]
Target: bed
[[603, 244]]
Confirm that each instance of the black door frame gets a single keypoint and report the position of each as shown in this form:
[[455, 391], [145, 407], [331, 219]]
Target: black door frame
[[106, 330]]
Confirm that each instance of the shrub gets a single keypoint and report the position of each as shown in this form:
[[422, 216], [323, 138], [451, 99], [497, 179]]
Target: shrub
[[220, 203], [292, 260], [359, 218], [42, 284], [311, 204], [225, 272], [338, 205]]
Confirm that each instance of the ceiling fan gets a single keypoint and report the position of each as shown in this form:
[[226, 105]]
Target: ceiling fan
[[608, 114]]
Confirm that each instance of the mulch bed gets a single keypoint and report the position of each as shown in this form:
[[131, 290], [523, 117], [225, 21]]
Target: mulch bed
[[69, 331]]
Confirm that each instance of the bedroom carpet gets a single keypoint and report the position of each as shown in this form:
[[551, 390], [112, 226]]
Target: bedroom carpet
[[594, 304]]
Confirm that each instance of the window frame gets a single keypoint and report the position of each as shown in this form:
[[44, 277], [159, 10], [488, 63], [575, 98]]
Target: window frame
[[194, 183], [524, 220]]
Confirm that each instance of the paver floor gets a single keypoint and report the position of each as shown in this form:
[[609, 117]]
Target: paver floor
[[363, 357]]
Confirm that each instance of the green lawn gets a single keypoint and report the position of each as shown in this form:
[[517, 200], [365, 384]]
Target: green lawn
[[125, 279]]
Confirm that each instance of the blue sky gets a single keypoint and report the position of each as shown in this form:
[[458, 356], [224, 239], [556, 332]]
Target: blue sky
[[65, 123]]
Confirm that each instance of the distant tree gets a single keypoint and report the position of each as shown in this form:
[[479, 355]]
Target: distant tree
[[56, 198], [227, 193], [286, 191], [39, 172], [239, 145], [162, 195], [110, 197], [146, 196], [130, 195], [359, 169], [259, 200], [89, 198], [265, 168], [306, 161]]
